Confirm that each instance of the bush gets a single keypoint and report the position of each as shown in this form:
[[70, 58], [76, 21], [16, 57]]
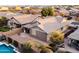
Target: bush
[[54, 48], [44, 49], [57, 37], [3, 21], [27, 48], [36, 46]]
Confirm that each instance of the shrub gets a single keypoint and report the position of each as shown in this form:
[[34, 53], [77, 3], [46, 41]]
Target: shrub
[[50, 10], [3, 21], [44, 49], [27, 48], [32, 45], [57, 37]]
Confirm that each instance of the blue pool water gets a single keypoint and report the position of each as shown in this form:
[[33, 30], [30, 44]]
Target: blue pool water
[[6, 49]]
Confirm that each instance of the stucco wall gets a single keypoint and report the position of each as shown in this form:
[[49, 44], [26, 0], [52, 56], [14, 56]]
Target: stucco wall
[[40, 35]]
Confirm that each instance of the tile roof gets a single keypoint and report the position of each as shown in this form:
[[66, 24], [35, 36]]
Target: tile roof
[[25, 18], [51, 24]]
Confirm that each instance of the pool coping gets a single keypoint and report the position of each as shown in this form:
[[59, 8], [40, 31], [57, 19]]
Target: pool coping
[[14, 48]]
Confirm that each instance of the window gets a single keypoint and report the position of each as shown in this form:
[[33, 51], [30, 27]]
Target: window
[[27, 30], [33, 32]]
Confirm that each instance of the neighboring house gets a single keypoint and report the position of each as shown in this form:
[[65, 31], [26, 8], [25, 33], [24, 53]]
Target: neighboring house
[[35, 11], [63, 12], [74, 24], [9, 14], [4, 9], [73, 39], [74, 12], [70, 28], [74, 35]]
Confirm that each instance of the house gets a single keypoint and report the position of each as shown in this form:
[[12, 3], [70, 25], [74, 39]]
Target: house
[[74, 35], [37, 26], [4, 9], [74, 24], [63, 12], [51, 24], [73, 39], [9, 14], [25, 8], [18, 20], [74, 12], [34, 11], [45, 27], [70, 28]]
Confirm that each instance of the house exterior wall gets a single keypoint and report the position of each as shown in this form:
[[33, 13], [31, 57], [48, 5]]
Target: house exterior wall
[[48, 38], [39, 34], [11, 24]]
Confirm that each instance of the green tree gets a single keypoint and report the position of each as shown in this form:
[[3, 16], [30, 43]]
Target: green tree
[[50, 10], [45, 12]]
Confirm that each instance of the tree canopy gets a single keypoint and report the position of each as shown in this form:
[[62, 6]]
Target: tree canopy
[[3, 20], [47, 11]]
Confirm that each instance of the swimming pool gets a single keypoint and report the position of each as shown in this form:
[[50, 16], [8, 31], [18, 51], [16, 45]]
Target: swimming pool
[[6, 49]]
